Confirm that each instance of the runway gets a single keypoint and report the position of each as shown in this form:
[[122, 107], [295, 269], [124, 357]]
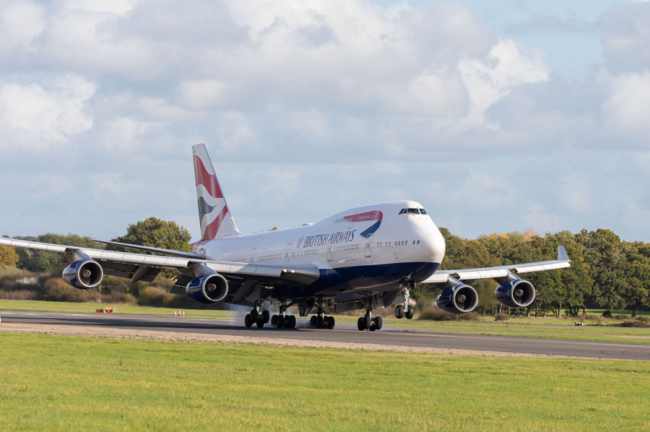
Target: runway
[[343, 333]]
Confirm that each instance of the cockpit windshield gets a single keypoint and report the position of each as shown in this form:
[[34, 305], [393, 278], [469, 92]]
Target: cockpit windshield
[[413, 211]]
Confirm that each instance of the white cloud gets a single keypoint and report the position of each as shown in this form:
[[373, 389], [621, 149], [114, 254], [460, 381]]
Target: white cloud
[[20, 23], [32, 117], [628, 106]]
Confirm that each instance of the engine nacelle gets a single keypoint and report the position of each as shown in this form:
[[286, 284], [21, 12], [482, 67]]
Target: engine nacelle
[[209, 288], [458, 299], [515, 293], [83, 274]]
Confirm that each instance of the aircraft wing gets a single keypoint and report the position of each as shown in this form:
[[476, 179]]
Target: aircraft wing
[[441, 276], [146, 267]]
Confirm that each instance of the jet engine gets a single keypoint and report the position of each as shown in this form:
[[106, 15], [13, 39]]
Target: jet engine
[[515, 292], [208, 288], [83, 274], [458, 299]]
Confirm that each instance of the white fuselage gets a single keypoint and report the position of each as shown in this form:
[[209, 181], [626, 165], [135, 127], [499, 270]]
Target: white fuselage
[[398, 244]]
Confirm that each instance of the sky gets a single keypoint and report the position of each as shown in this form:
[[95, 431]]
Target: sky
[[496, 116]]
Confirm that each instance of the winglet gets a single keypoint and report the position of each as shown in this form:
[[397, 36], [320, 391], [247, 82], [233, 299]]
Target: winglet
[[561, 254]]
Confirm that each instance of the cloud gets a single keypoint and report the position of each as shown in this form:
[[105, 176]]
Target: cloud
[[32, 117], [311, 107]]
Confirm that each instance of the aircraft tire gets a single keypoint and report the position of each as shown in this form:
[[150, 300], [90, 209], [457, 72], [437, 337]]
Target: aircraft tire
[[319, 322], [330, 323], [410, 312], [260, 322], [266, 316], [368, 322], [379, 323], [361, 324], [291, 321], [281, 321], [254, 315], [399, 311], [248, 322]]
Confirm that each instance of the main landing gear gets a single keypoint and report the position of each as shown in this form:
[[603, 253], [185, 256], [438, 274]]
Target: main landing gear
[[255, 317], [283, 320], [368, 322], [407, 310], [320, 320]]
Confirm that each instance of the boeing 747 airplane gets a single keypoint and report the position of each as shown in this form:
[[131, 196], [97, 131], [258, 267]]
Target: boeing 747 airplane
[[362, 258]]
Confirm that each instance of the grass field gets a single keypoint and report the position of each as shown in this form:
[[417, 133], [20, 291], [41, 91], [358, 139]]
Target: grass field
[[63, 383]]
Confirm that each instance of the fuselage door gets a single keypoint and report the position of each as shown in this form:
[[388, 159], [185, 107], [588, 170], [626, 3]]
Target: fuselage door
[[369, 246], [253, 255], [287, 251], [329, 253]]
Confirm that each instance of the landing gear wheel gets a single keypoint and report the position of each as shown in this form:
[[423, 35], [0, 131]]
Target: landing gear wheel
[[274, 320], [368, 323], [248, 322], [266, 316], [409, 313], [378, 323], [319, 322], [291, 322], [330, 323], [312, 321], [399, 311], [254, 315], [281, 321], [260, 322], [361, 324], [372, 326]]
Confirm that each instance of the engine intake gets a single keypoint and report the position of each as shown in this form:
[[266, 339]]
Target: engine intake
[[515, 293], [209, 288], [458, 299], [83, 274]]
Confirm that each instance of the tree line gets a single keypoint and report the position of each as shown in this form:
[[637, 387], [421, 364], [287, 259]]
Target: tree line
[[605, 271]]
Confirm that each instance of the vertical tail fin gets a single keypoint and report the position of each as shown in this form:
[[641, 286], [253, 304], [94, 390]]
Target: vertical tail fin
[[216, 221]]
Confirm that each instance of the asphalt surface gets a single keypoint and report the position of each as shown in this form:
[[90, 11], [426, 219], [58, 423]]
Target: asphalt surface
[[343, 333]]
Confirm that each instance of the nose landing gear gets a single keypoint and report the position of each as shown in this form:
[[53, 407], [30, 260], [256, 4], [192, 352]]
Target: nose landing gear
[[407, 310]]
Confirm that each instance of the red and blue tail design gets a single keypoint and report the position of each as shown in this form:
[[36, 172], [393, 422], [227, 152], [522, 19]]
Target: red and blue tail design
[[216, 221]]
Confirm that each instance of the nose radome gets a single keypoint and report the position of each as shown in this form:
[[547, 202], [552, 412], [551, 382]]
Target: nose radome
[[433, 247]]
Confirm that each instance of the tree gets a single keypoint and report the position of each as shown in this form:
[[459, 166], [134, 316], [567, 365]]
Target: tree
[[157, 233], [606, 262], [636, 290], [8, 256]]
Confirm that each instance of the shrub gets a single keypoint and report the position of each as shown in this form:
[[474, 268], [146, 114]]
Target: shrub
[[598, 320], [622, 317], [643, 319], [434, 314], [633, 324], [18, 295], [607, 314], [501, 317]]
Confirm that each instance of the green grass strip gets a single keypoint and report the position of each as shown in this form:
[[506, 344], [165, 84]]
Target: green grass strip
[[58, 383]]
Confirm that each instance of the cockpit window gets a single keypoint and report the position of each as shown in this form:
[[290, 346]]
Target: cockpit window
[[402, 211], [414, 211], [423, 211]]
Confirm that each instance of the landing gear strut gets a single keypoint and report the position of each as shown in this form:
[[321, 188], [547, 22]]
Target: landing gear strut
[[367, 322], [407, 310], [321, 321], [255, 317], [283, 320]]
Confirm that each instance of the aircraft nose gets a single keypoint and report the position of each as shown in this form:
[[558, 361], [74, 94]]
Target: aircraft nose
[[433, 247]]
